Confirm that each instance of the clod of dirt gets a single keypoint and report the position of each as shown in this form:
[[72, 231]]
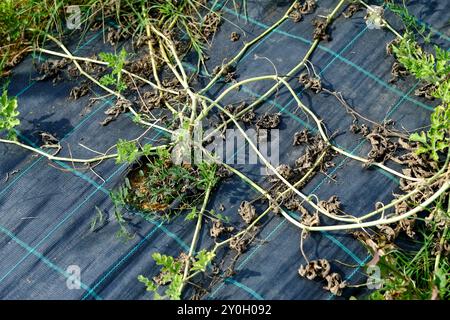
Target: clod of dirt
[[247, 212], [335, 283], [217, 229], [315, 268], [234, 36], [382, 148], [310, 220], [285, 171], [426, 91], [314, 149], [113, 112], [351, 10], [299, 10], [397, 71], [301, 137], [310, 82], [79, 91], [51, 69], [210, 24], [321, 29], [268, 121], [113, 36], [332, 205]]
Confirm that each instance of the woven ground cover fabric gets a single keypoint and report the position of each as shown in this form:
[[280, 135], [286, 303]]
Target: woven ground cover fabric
[[46, 207]]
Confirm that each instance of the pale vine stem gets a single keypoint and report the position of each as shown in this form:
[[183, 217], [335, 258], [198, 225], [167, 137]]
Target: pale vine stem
[[195, 237]]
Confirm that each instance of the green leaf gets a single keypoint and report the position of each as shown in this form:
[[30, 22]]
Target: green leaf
[[416, 137], [147, 149], [174, 289], [202, 259], [149, 284], [127, 151], [191, 215], [8, 114], [107, 80]]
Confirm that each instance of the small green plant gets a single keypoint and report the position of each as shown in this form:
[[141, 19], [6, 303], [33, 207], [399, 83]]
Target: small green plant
[[434, 70], [436, 140], [127, 151], [424, 66], [116, 62], [171, 273], [8, 115]]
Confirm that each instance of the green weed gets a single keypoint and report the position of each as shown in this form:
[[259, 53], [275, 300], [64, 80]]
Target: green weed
[[8, 114]]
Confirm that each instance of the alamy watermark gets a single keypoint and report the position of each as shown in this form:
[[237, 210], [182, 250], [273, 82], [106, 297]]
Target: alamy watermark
[[374, 281], [73, 281], [230, 146], [73, 21]]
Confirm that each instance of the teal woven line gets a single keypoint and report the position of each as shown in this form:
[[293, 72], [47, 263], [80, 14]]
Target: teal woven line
[[45, 260], [396, 107], [338, 56], [344, 248], [352, 274], [124, 258], [238, 284], [59, 224], [182, 244], [75, 51]]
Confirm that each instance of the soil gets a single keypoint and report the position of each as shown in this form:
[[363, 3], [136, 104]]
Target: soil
[[351, 10], [79, 91], [247, 212], [299, 10], [234, 36], [302, 137], [397, 71], [309, 82], [113, 112], [321, 29], [314, 269], [268, 121]]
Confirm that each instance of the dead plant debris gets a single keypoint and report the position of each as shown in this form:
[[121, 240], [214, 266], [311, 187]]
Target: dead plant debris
[[247, 212], [234, 36], [268, 121]]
